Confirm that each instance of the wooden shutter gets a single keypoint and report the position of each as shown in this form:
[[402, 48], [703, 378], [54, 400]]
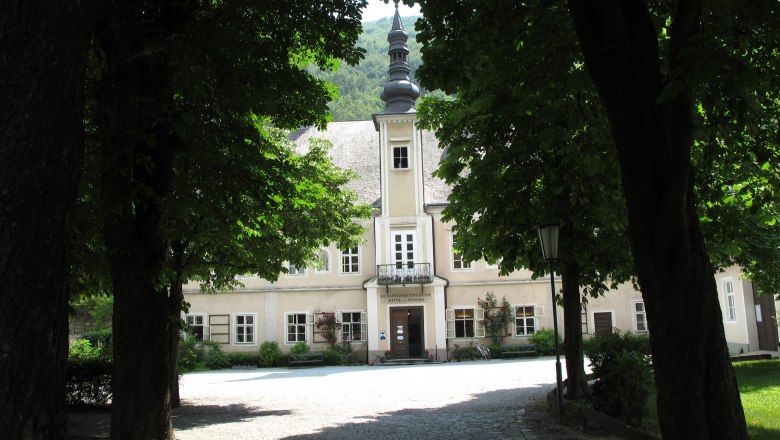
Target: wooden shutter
[[479, 322], [450, 316]]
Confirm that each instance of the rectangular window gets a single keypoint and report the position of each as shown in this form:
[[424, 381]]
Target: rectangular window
[[403, 249], [195, 326], [759, 318], [401, 157], [525, 320], [353, 326], [731, 300], [244, 328], [350, 260], [294, 270], [465, 322], [640, 318], [458, 262], [296, 327]]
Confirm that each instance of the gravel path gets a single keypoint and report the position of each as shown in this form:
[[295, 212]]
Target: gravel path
[[498, 399]]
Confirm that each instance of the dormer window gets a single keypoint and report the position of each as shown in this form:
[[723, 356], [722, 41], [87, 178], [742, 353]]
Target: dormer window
[[401, 157]]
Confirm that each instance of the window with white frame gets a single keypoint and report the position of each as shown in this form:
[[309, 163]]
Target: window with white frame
[[244, 328], [323, 261], [731, 300], [465, 322], [640, 317], [196, 326], [458, 263], [353, 326], [400, 157], [296, 327], [525, 320], [403, 249], [294, 270], [350, 260]]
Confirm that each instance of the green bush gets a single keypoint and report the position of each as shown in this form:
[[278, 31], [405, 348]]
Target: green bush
[[331, 357], [495, 351], [88, 381], [197, 355], [243, 359], [99, 338], [300, 347], [624, 377], [270, 354], [82, 350], [466, 353], [544, 341]]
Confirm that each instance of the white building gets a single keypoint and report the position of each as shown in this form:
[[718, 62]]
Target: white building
[[405, 290]]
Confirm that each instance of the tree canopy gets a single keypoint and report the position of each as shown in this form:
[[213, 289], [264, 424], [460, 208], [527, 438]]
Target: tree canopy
[[658, 73]]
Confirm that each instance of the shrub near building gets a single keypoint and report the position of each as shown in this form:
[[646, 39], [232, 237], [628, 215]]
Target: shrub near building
[[624, 377]]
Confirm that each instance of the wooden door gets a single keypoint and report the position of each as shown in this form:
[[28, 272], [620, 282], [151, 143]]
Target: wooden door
[[399, 333], [765, 325], [602, 322]]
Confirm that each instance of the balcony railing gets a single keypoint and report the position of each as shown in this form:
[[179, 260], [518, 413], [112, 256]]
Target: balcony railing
[[404, 273]]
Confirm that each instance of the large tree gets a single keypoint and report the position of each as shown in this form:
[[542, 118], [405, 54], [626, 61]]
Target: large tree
[[520, 156], [43, 50], [649, 73], [679, 87], [165, 69]]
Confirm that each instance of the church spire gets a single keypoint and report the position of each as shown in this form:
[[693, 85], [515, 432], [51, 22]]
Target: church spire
[[399, 92]]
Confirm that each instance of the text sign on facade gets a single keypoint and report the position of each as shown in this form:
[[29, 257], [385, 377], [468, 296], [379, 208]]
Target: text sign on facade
[[405, 297]]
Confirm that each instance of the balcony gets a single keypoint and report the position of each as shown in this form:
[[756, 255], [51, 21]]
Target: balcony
[[408, 273]]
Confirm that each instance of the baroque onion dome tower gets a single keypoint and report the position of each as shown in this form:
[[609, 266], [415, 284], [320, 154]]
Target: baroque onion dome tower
[[405, 301], [399, 93]]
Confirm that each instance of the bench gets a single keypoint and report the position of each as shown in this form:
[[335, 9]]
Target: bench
[[304, 359], [519, 351]]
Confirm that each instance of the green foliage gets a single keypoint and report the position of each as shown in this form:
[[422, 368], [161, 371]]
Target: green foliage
[[299, 347], [495, 351], [331, 357], [497, 318], [544, 341], [604, 347], [359, 85], [84, 350], [244, 359], [198, 355], [270, 354], [624, 377], [88, 382], [98, 307], [466, 353]]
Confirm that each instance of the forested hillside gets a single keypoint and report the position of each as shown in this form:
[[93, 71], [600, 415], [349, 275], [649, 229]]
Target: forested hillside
[[359, 86]]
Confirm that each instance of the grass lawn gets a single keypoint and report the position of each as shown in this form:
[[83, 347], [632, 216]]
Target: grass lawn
[[759, 386]]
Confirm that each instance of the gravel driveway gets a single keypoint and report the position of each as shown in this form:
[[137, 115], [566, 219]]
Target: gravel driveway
[[496, 399]]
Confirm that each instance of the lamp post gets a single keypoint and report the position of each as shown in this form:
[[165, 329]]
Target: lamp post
[[548, 237]]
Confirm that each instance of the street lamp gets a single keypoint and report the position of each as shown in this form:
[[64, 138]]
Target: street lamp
[[548, 237]]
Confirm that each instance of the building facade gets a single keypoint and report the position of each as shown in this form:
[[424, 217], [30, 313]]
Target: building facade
[[404, 291]]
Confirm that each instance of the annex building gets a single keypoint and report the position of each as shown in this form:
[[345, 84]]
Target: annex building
[[404, 290]]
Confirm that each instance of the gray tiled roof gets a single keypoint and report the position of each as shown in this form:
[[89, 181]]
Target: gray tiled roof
[[356, 147]]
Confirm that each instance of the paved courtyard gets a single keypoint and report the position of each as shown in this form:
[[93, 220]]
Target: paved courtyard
[[493, 399]]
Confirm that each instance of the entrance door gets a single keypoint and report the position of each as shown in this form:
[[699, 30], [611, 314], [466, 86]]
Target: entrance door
[[765, 325], [406, 332], [602, 322]]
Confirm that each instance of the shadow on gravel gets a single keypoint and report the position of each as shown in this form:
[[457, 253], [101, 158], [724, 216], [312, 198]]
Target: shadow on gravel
[[486, 415], [194, 416]]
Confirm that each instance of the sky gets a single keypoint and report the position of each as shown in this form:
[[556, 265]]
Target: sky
[[377, 9]]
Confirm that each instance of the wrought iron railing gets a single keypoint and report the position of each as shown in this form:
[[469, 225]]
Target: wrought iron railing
[[404, 273]]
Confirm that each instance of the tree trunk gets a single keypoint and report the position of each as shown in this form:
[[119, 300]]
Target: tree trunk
[[572, 319], [175, 304], [43, 47], [132, 101], [697, 390]]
